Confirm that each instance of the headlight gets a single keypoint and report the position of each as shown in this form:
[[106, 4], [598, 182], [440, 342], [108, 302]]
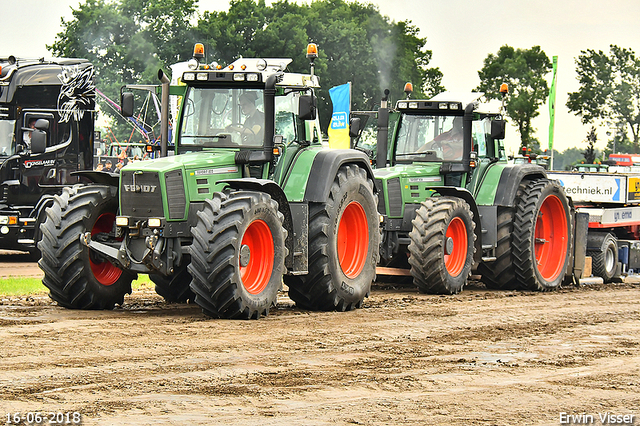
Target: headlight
[[122, 221], [188, 76], [155, 222]]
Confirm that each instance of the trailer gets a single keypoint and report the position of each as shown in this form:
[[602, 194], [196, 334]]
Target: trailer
[[611, 201]]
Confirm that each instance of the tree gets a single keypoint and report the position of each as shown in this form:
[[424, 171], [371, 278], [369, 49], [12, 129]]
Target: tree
[[563, 160], [609, 90], [524, 70], [356, 44], [127, 41], [590, 153]]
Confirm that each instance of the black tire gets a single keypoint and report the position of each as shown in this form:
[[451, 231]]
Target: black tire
[[442, 245], [541, 236], [222, 242], [76, 276], [175, 288], [339, 238], [604, 258], [500, 273]]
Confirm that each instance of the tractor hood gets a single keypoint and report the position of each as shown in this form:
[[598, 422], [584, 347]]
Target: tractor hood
[[410, 172], [167, 186], [405, 184], [189, 162]]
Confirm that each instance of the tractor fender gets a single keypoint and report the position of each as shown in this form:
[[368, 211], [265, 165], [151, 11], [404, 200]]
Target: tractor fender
[[325, 167], [271, 188], [511, 178], [452, 191], [102, 178]]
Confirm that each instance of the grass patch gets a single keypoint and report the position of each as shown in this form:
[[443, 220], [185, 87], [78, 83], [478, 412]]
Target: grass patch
[[24, 286], [19, 286]]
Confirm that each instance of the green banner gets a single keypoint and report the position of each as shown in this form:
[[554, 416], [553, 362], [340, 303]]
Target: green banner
[[552, 103]]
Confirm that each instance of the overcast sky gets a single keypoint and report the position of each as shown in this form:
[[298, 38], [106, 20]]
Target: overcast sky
[[461, 33]]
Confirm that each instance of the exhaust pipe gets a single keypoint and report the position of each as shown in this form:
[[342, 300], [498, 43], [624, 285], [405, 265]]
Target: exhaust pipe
[[164, 113]]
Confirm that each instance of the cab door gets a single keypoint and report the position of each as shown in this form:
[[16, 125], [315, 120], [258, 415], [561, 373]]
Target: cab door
[[42, 173]]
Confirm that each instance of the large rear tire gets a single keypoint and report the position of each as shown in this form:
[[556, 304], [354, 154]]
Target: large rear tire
[[76, 276], [175, 288], [541, 236], [605, 256], [237, 255], [344, 244], [442, 245]]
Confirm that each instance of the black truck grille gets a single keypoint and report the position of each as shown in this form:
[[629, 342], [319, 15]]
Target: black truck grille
[[395, 197], [176, 198], [140, 195]]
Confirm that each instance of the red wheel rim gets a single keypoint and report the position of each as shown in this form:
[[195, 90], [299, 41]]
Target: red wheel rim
[[455, 261], [105, 272], [353, 240], [256, 274], [551, 234]]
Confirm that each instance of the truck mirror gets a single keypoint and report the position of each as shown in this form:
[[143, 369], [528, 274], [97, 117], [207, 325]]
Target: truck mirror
[[38, 140], [307, 107], [498, 129], [42, 124], [354, 127], [126, 104]]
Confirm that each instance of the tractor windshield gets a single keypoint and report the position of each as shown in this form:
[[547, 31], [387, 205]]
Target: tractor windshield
[[429, 138], [223, 118], [6, 137]]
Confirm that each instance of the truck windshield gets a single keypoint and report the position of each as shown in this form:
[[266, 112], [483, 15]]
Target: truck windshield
[[223, 118], [429, 138], [7, 128]]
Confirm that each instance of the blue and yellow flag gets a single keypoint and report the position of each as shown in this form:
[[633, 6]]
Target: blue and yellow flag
[[339, 127]]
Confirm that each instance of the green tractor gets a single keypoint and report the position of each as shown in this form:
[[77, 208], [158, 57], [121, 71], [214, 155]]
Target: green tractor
[[251, 197], [453, 205]]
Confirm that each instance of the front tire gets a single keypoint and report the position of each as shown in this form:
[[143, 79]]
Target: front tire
[[541, 236], [442, 245], [237, 255], [76, 276], [343, 246]]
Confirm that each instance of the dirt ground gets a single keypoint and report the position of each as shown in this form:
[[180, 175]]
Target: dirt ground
[[479, 358]]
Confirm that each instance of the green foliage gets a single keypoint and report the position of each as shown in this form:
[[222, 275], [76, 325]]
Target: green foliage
[[609, 90], [128, 40], [524, 70], [356, 43], [590, 153], [563, 160]]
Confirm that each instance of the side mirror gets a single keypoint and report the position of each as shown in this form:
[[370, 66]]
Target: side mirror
[[354, 127], [126, 104], [38, 140], [498, 129], [42, 124], [307, 107]]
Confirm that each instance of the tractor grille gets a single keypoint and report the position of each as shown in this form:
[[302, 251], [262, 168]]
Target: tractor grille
[[142, 196], [176, 198], [395, 197]]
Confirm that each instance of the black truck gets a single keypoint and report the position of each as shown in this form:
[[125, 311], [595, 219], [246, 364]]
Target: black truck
[[47, 111]]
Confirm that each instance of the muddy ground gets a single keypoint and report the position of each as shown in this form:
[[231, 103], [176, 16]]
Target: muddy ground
[[479, 358]]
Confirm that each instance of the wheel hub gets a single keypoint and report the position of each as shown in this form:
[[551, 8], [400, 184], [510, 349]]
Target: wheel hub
[[448, 246], [245, 255]]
